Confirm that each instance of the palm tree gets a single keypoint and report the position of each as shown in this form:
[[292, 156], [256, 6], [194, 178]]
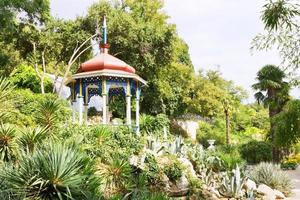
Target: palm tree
[[273, 92]]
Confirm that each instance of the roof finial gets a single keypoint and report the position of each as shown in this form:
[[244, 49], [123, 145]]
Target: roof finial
[[104, 46], [104, 28]]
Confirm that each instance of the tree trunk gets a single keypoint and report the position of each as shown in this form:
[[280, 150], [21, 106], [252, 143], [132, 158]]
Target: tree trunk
[[42, 85], [272, 112], [227, 127]]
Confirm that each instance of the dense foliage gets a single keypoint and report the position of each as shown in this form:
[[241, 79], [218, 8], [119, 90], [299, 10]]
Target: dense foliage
[[256, 151], [44, 155]]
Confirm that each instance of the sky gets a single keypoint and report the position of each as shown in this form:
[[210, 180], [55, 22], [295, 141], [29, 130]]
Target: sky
[[218, 32]]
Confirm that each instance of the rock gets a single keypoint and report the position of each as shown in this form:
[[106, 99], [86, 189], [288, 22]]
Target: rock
[[250, 185], [214, 192], [182, 183], [268, 193], [279, 195], [208, 195], [189, 169], [180, 188]]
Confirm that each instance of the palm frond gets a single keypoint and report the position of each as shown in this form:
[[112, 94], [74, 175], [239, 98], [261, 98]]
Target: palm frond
[[31, 137], [8, 144]]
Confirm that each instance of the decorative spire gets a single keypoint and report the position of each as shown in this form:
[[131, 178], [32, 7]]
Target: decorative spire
[[104, 46], [104, 29]]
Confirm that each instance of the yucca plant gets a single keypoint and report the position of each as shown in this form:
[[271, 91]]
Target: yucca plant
[[6, 104], [8, 142], [31, 137], [48, 113], [115, 176], [55, 171], [102, 134]]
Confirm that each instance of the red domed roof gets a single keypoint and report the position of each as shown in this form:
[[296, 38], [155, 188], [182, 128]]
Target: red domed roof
[[105, 61]]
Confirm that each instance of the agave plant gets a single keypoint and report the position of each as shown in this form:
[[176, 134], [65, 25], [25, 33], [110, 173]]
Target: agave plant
[[48, 113], [53, 172], [6, 105], [8, 144], [115, 176], [31, 137], [232, 185]]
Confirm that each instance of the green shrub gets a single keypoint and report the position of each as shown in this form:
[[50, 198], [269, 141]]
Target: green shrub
[[173, 171], [230, 157], [289, 163], [6, 101], [8, 143], [28, 105], [115, 175], [256, 151], [92, 111], [152, 172], [209, 131], [153, 124], [54, 171], [24, 76], [271, 175]]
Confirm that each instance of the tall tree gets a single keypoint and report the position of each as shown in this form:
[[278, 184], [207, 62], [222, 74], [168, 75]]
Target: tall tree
[[139, 34], [14, 16], [282, 28], [273, 92]]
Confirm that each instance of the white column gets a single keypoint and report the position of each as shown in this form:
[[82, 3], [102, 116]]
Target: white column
[[107, 109], [80, 108], [137, 115], [73, 110], [128, 103], [104, 101], [86, 107], [104, 109], [128, 109]]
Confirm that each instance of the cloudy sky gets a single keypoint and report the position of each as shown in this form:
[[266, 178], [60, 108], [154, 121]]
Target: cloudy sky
[[218, 32]]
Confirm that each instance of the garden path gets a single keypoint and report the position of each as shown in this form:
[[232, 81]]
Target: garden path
[[295, 176]]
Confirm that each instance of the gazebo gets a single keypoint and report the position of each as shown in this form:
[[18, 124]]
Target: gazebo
[[105, 76]]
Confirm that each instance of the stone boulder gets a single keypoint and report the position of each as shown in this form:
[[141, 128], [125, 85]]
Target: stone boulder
[[250, 185], [189, 168], [180, 188], [279, 195], [267, 192]]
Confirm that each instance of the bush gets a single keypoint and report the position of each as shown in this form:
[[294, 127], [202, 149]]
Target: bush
[[28, 103], [54, 171], [290, 163], [209, 131], [153, 125], [256, 151], [152, 172], [230, 157], [24, 76], [271, 175], [173, 171]]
